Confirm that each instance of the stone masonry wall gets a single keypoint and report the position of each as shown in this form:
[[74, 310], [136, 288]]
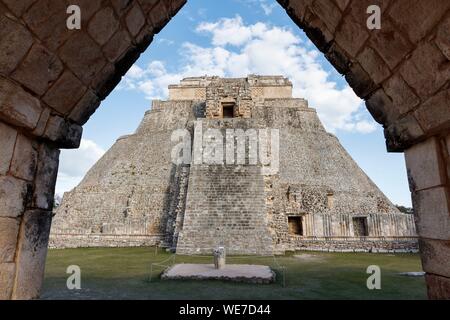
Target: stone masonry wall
[[132, 190], [374, 245]]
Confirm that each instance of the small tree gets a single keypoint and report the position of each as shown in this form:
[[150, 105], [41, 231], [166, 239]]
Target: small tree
[[404, 209]]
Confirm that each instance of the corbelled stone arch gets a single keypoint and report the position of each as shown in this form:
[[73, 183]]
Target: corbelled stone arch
[[52, 79]]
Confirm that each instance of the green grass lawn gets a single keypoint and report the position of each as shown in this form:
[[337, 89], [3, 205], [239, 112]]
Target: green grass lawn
[[123, 273]]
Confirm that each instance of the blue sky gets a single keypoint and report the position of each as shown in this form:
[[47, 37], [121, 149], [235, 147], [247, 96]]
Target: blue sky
[[235, 38]]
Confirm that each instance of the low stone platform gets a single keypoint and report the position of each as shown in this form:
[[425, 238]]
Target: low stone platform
[[231, 272]]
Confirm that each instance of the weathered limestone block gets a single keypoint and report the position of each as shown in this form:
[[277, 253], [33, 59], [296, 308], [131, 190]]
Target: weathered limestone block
[[432, 114], [360, 81], [85, 108], [16, 40], [13, 195], [144, 38], [342, 4], [32, 251], [317, 31], [249, 273], [390, 44], [7, 140], [402, 133], [244, 108], [338, 58], [18, 7], [427, 70], [17, 106], [65, 93], [47, 171], [417, 19], [107, 80], [328, 12], [103, 25], [424, 165], [9, 229], [438, 287], [351, 35], [403, 98], [117, 45], [435, 256], [172, 5], [443, 36], [213, 109], [121, 5], [157, 15], [39, 69], [135, 20], [7, 273], [83, 56], [373, 64], [24, 162], [432, 213], [65, 134], [380, 107], [447, 155], [42, 123], [295, 9], [146, 5], [47, 19]]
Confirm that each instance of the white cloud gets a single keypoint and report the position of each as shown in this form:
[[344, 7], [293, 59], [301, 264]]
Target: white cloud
[[135, 72], [365, 126], [166, 41], [227, 31], [202, 12], [238, 49], [73, 164], [267, 8]]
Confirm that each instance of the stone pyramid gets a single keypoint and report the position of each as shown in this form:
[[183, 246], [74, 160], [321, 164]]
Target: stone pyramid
[[307, 194]]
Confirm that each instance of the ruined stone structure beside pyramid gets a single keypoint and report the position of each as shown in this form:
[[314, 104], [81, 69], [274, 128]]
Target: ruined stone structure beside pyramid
[[318, 199]]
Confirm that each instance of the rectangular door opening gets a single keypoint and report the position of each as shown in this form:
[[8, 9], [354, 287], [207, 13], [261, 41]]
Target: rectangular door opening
[[360, 227], [228, 110], [295, 225]]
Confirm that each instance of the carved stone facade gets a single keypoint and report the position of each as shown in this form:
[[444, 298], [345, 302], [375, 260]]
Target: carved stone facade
[[135, 195]]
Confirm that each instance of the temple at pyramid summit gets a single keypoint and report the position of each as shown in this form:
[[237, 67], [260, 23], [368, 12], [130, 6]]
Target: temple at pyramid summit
[[237, 163]]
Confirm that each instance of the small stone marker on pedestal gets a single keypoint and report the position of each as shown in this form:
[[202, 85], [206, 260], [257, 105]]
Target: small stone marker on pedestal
[[219, 257], [249, 273]]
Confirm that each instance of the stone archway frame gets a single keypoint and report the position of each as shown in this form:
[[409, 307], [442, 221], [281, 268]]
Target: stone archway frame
[[53, 79]]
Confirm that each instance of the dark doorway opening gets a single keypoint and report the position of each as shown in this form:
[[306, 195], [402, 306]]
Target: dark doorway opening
[[228, 110], [295, 225], [360, 227]]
